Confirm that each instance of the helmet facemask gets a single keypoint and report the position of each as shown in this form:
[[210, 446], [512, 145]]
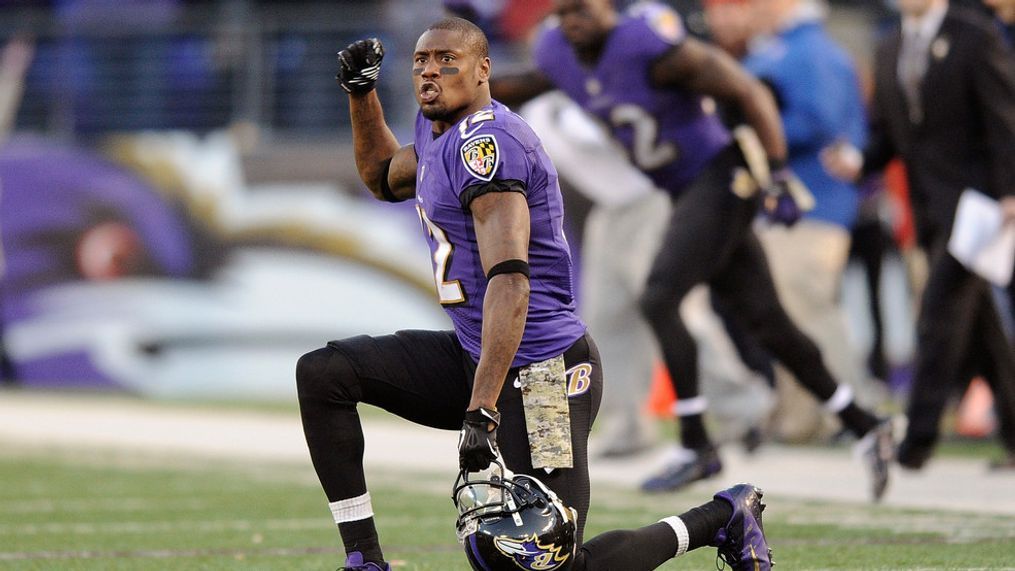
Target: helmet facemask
[[512, 521]]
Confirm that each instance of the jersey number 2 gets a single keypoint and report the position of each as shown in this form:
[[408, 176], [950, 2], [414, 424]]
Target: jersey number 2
[[647, 152], [448, 292]]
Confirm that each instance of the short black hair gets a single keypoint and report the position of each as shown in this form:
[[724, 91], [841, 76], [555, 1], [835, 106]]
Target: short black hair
[[475, 39]]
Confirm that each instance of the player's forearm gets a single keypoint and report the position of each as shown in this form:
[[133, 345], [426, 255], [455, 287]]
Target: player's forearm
[[11, 88], [373, 142], [708, 70], [505, 308], [760, 111], [15, 59]]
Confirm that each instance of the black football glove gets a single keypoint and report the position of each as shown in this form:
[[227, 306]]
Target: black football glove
[[359, 64], [477, 443], [785, 198]]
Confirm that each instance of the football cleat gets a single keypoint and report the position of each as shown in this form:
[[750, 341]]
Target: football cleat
[[688, 467], [877, 450], [742, 544], [1003, 464], [354, 562], [913, 454], [752, 439]]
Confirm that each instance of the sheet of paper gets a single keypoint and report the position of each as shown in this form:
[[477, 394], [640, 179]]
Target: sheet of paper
[[980, 240]]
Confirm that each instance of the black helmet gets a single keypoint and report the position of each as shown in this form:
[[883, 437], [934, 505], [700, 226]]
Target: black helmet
[[511, 522]]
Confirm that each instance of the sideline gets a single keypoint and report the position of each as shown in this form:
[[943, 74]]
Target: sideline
[[86, 421]]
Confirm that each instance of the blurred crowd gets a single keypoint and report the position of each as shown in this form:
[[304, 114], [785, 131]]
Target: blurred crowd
[[872, 133]]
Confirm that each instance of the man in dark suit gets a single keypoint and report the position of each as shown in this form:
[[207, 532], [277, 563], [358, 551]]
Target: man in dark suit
[[945, 103]]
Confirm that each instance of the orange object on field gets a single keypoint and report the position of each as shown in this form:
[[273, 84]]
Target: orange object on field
[[661, 397]]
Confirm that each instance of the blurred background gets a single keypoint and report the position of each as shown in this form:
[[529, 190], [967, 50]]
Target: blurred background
[[181, 215]]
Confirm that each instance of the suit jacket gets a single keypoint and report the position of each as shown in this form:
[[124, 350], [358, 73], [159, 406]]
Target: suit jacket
[[966, 137]]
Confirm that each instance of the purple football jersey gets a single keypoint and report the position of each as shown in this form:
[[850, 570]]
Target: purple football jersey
[[667, 133], [494, 143]]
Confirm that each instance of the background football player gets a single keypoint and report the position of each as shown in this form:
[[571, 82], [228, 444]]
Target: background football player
[[643, 76]]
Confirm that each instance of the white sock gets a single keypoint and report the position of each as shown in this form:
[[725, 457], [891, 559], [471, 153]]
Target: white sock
[[840, 399], [683, 537], [352, 509], [686, 407]]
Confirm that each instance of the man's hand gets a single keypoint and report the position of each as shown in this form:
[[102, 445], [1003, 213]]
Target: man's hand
[[843, 161], [359, 64], [477, 443], [1008, 209]]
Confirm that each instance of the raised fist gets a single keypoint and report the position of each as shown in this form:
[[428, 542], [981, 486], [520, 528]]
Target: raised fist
[[359, 64]]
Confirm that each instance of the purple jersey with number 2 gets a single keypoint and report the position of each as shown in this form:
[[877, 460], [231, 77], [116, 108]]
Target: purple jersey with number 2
[[668, 133], [489, 145]]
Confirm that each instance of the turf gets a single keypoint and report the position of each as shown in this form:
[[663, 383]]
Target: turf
[[104, 510]]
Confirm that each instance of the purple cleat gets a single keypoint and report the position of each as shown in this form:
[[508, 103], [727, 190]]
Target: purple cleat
[[742, 543], [355, 562]]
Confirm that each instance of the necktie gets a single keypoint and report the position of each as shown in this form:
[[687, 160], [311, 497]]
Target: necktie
[[912, 66]]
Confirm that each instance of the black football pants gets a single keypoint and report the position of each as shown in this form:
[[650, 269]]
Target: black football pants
[[426, 377], [709, 240]]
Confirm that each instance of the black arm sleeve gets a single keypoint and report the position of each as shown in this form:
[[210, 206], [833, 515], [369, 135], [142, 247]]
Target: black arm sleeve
[[497, 185], [385, 188]]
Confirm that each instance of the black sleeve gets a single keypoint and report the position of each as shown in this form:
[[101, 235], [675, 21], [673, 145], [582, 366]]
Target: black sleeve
[[496, 185], [880, 148], [994, 85]]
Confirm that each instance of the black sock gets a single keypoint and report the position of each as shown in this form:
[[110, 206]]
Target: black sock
[[361, 535], [857, 420], [692, 432], [643, 548], [704, 521]]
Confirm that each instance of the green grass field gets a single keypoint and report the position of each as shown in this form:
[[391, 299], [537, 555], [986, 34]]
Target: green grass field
[[105, 510]]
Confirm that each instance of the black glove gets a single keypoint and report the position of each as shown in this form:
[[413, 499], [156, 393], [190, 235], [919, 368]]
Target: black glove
[[781, 198], [359, 64], [477, 443]]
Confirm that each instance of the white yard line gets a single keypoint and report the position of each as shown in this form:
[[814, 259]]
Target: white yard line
[[118, 504], [238, 554], [48, 420], [153, 527]]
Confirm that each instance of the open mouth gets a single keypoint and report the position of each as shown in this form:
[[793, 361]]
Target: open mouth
[[428, 92]]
